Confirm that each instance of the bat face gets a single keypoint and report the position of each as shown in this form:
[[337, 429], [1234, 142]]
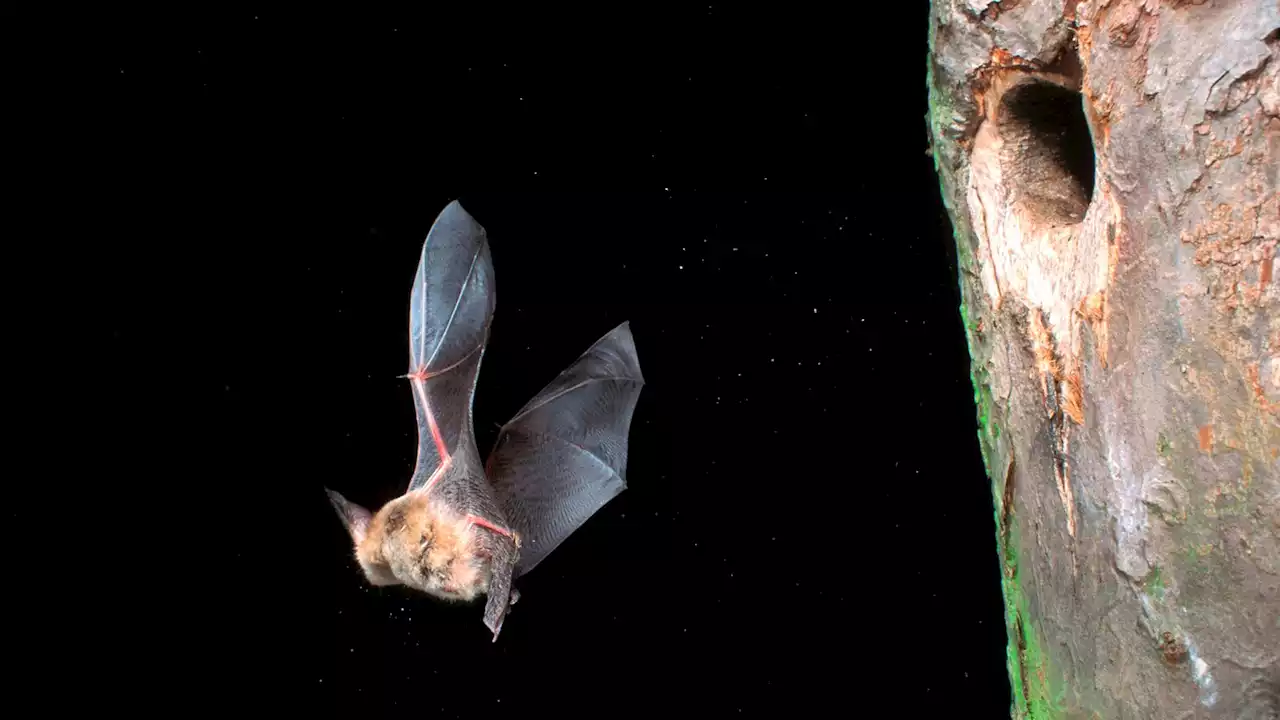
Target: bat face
[[419, 542]]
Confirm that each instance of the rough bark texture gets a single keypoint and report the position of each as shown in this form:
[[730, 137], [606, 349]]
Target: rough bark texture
[[1110, 168]]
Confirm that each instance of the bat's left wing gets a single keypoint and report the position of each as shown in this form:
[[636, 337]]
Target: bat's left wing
[[564, 455], [451, 307]]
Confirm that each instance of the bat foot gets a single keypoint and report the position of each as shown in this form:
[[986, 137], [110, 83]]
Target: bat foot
[[515, 596]]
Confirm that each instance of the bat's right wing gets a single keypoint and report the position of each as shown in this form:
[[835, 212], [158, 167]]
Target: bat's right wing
[[564, 455]]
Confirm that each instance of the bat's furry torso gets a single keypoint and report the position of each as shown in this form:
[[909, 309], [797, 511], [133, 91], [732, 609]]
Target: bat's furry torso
[[421, 542]]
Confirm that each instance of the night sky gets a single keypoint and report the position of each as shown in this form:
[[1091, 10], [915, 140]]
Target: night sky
[[807, 524]]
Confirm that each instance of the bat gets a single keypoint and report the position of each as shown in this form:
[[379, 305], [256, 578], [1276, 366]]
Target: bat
[[463, 529]]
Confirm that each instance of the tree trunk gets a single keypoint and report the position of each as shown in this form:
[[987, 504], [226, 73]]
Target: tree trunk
[[1110, 171]]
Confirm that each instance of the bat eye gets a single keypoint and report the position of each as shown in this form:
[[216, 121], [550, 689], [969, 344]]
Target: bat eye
[[425, 540], [395, 520]]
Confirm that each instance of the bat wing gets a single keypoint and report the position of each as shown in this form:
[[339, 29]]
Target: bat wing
[[564, 455], [451, 307]]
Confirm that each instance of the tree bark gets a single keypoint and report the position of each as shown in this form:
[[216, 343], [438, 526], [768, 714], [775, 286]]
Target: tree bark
[[1110, 168]]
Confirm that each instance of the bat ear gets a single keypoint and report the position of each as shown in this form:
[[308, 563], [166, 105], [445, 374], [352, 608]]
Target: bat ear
[[355, 517]]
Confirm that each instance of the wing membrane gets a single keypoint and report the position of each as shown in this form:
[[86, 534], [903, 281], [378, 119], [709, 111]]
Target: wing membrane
[[564, 455], [451, 307]]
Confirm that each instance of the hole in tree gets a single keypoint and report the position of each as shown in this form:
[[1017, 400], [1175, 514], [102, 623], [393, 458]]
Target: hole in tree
[[1048, 155]]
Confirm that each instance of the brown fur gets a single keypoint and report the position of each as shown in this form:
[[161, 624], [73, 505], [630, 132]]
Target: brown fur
[[424, 545]]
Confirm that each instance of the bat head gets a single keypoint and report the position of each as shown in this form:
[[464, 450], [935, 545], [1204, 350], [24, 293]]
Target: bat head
[[414, 542], [360, 525]]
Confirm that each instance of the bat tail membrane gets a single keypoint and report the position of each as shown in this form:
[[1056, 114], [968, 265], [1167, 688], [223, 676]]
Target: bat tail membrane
[[501, 598], [564, 455]]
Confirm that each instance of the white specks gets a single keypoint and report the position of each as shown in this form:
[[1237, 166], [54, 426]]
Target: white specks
[[815, 311], [1200, 673], [680, 266]]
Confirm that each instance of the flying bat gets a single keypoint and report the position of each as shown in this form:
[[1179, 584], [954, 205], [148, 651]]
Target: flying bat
[[463, 529]]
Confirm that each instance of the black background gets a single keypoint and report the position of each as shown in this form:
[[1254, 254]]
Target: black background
[[807, 527]]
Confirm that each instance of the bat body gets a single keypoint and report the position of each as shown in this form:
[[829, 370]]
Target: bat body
[[463, 529]]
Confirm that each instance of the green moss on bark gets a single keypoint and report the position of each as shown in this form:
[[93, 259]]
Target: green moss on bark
[[1039, 690]]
